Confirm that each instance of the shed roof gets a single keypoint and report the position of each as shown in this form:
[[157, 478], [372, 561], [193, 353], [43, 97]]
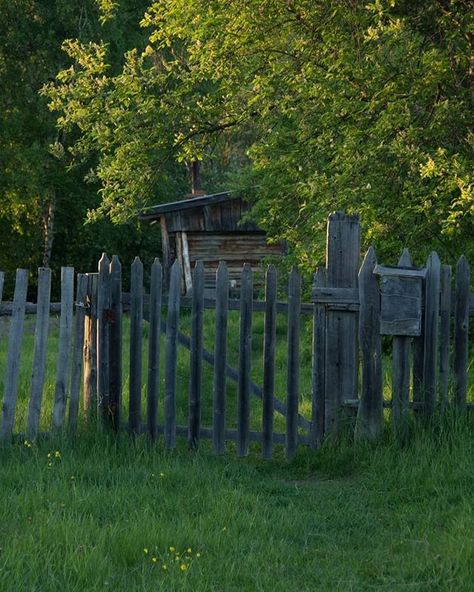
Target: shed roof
[[157, 211]]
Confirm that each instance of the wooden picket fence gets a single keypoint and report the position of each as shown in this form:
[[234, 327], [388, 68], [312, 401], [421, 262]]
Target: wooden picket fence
[[352, 307]]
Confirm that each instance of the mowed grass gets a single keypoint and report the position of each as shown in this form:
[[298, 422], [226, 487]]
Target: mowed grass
[[96, 512]]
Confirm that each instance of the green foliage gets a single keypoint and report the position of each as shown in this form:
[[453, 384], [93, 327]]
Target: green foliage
[[336, 105]]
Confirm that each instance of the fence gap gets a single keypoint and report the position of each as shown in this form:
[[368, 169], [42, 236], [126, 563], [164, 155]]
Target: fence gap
[[318, 365], [444, 334], [77, 359], [461, 331], [90, 349]]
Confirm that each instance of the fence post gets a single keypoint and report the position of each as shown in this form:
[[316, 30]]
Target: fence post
[[64, 355], [154, 349], [370, 414], [461, 331], [430, 366], [115, 343], [195, 373], [220, 358], [103, 308], [39, 360], [401, 374], [171, 358], [245, 361], [136, 321], [269, 361], [342, 263], [14, 352]]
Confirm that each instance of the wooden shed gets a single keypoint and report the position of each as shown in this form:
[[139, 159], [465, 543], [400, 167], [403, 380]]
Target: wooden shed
[[210, 228]]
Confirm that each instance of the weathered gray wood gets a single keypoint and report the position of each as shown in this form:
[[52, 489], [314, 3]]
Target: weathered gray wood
[[14, 352], [154, 348], [401, 306], [269, 345], [188, 281], [461, 331], [400, 271], [293, 376], [103, 308], [2, 282], [430, 366], [31, 308], [342, 263], [401, 374], [195, 372], [76, 373], [115, 343], [64, 353], [90, 349], [370, 413], [136, 322], [323, 295], [318, 365], [444, 333], [245, 361], [39, 355], [171, 358], [166, 249], [220, 358]]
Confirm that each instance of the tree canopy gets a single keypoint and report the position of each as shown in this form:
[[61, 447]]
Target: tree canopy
[[316, 106]]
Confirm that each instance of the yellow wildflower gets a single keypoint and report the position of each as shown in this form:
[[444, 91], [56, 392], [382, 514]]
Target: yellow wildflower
[[172, 549], [183, 567], [145, 550]]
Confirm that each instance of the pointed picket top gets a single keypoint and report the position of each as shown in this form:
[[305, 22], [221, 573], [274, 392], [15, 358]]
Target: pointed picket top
[[405, 259], [199, 266], [433, 261], [369, 263], [462, 267], [115, 263], [136, 263], [104, 262], [156, 267], [319, 278], [222, 272]]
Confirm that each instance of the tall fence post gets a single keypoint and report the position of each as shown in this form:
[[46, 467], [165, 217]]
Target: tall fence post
[[318, 365], [171, 357], [136, 322], [342, 266], [154, 349], [77, 361]]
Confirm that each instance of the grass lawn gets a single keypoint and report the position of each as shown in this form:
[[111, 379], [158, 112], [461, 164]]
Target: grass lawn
[[98, 513]]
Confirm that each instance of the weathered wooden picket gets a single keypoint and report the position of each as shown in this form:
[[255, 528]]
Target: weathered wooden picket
[[352, 307]]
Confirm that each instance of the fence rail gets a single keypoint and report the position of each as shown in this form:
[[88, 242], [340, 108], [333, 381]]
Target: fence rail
[[353, 305]]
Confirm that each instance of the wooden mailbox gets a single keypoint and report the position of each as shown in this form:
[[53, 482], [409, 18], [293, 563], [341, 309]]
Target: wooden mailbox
[[401, 300]]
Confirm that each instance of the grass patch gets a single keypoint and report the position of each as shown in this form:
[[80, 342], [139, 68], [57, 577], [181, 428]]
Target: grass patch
[[104, 514]]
